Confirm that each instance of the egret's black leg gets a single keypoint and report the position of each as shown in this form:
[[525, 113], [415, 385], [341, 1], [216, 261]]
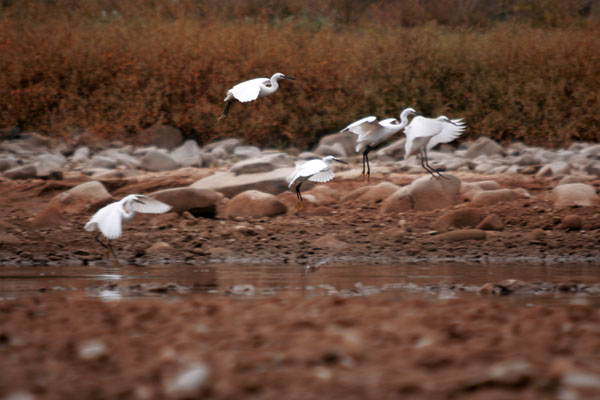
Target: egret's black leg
[[425, 167], [299, 196], [226, 110], [364, 162], [368, 166], [430, 167], [107, 246]]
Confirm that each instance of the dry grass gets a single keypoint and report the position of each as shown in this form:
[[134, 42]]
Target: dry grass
[[72, 67]]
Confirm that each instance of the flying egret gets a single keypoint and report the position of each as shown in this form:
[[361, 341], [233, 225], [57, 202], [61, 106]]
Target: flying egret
[[252, 90], [314, 171], [109, 219], [372, 133], [424, 133]]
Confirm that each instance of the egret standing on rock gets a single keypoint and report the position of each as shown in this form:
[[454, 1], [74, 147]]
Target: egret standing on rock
[[252, 90], [372, 133], [423, 134], [109, 219], [314, 171]]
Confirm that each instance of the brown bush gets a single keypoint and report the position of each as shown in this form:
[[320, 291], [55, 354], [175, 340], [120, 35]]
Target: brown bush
[[116, 69]]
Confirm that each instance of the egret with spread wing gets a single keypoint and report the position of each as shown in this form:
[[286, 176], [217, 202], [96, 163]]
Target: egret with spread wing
[[252, 90], [109, 219], [423, 134], [314, 171], [371, 133]]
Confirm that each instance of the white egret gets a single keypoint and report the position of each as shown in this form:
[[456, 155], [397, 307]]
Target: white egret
[[251, 90], [314, 171], [371, 133], [109, 219], [423, 134]]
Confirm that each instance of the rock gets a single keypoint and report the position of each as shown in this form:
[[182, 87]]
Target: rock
[[393, 151], [190, 382], [264, 163], [569, 179], [273, 182], [48, 166], [345, 141], [126, 160], [591, 151], [246, 152], [24, 172], [490, 197], [50, 216], [199, 202], [335, 150], [102, 162], [83, 197], [535, 235], [425, 193], [8, 162], [491, 223], [159, 247], [468, 189], [329, 242], [323, 195], [575, 194], [372, 193], [463, 234], [225, 146], [91, 350], [81, 155], [161, 136], [253, 203], [581, 380], [466, 217], [572, 222], [556, 168], [483, 146], [155, 160], [36, 140], [188, 154], [527, 159]]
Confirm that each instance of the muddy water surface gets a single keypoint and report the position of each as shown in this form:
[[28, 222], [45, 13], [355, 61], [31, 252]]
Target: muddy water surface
[[392, 281]]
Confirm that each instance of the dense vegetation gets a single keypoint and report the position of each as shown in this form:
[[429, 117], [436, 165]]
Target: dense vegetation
[[525, 70]]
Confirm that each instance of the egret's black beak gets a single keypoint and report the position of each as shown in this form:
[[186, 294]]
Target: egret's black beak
[[289, 77], [139, 201], [340, 161]]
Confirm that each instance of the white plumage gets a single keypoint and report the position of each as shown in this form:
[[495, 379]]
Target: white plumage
[[253, 89], [109, 219], [314, 171], [423, 134], [371, 133]]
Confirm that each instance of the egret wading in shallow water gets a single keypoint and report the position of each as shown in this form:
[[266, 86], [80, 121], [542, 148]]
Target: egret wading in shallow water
[[252, 90], [371, 133], [423, 134], [314, 171], [109, 219]]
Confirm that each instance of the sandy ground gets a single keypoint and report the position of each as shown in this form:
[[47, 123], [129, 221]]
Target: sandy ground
[[194, 346]]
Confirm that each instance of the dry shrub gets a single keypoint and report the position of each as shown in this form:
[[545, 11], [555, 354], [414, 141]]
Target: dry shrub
[[118, 67]]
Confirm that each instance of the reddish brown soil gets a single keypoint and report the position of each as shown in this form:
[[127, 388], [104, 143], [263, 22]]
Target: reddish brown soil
[[480, 347]]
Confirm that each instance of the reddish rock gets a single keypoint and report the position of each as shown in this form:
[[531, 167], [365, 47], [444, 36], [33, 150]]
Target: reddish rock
[[253, 203], [491, 223], [466, 217]]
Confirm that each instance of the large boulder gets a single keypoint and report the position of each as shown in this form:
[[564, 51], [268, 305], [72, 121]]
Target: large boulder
[[155, 160], [575, 194], [425, 193], [483, 146], [372, 193], [199, 202], [489, 197], [273, 182], [188, 154], [341, 141], [265, 163], [469, 189], [162, 136], [253, 203], [463, 218], [22, 172], [88, 196]]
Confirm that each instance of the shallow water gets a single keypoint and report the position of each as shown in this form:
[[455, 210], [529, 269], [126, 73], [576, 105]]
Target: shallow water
[[440, 281]]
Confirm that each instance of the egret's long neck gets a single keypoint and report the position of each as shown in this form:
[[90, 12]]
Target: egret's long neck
[[403, 120], [128, 211], [267, 90]]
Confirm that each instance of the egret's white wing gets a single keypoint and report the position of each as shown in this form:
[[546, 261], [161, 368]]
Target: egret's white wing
[[109, 223], [248, 90], [363, 126], [149, 205], [448, 133], [323, 176], [423, 127]]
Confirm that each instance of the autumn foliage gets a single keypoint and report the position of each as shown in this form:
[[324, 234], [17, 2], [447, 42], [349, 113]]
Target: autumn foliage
[[115, 68]]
